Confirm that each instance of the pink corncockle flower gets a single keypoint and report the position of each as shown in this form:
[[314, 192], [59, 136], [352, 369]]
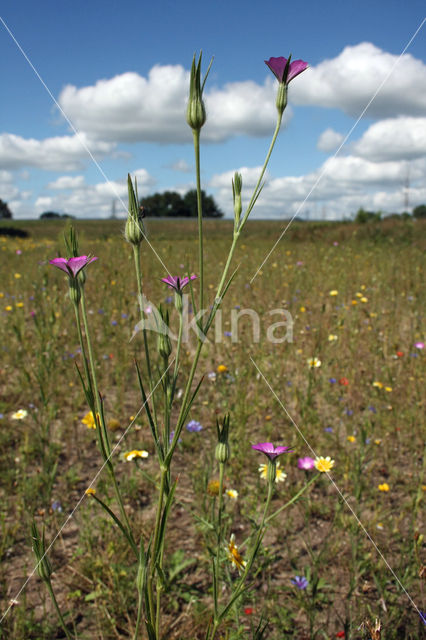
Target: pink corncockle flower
[[72, 266], [285, 74], [176, 283], [306, 463], [269, 450], [419, 345]]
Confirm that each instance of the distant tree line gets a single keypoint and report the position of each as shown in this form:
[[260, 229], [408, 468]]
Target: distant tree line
[[362, 216], [171, 204], [5, 212], [52, 215]]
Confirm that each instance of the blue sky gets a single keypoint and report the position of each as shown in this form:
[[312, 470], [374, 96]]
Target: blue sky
[[119, 72]]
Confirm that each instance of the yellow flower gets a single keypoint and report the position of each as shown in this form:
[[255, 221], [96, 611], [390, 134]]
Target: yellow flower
[[324, 464], [8, 308], [136, 453], [302, 309], [354, 302], [90, 491], [383, 487], [20, 414], [231, 493], [332, 337], [19, 304], [358, 294], [1, 294], [279, 477], [364, 299], [333, 292], [388, 389], [222, 368], [113, 283], [314, 363], [378, 384], [233, 554], [89, 420], [377, 441], [351, 439], [17, 276]]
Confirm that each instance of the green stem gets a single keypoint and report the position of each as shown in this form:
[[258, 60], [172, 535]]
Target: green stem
[[155, 552], [139, 616], [293, 500], [196, 136], [219, 539], [106, 449], [58, 611]]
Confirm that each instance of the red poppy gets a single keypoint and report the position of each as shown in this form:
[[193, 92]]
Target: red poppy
[[399, 354], [344, 382], [248, 611], [340, 634]]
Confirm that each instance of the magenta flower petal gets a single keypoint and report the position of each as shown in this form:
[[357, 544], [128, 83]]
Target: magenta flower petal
[[306, 463], [72, 266], [269, 450], [296, 67], [278, 65], [176, 283]]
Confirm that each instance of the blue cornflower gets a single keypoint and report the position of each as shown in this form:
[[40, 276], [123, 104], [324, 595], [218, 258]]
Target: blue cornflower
[[300, 582], [193, 425]]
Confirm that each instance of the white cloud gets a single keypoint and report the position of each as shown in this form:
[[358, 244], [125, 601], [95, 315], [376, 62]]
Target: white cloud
[[350, 80], [250, 176], [329, 140], [8, 190], [91, 200], [131, 108], [393, 139], [66, 153], [336, 189], [180, 165]]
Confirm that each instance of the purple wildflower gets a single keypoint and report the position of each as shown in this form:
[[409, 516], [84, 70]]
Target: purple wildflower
[[176, 283], [419, 345], [56, 506], [194, 426], [269, 450], [300, 582], [72, 266], [328, 429], [332, 380], [306, 463], [283, 73]]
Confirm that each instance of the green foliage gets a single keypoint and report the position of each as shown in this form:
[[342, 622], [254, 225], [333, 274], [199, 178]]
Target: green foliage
[[170, 204], [420, 211], [5, 212], [363, 216]]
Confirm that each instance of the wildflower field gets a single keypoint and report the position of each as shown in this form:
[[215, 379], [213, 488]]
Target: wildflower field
[[343, 392]]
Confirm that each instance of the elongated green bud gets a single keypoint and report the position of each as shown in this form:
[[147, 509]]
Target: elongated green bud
[[281, 101], [134, 231], [237, 186], [196, 112], [74, 290], [271, 472], [222, 452]]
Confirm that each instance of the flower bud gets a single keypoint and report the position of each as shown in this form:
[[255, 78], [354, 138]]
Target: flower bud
[[178, 301], [196, 112], [164, 346], [222, 452], [237, 185], [134, 231]]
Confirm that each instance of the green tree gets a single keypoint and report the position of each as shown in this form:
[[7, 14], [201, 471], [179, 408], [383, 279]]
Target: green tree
[[210, 208], [420, 211], [5, 212]]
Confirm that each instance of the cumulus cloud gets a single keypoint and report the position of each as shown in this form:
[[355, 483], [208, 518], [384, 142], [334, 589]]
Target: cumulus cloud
[[131, 108], [8, 189], [335, 190], [66, 153], [180, 165], [329, 140], [350, 80], [402, 138], [78, 198]]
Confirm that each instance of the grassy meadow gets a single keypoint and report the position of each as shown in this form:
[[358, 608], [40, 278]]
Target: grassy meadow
[[356, 296]]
